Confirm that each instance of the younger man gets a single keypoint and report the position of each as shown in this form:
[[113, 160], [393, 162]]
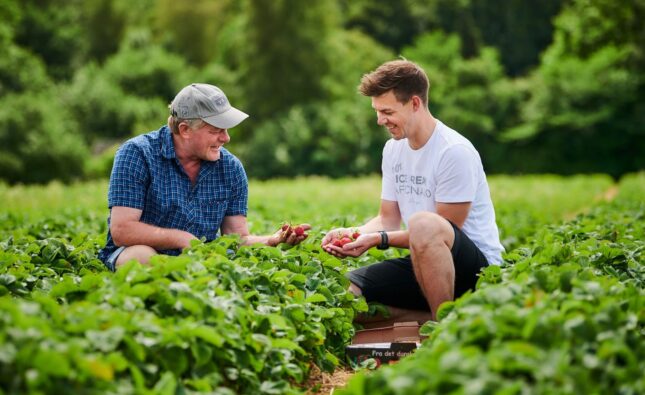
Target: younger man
[[434, 181]]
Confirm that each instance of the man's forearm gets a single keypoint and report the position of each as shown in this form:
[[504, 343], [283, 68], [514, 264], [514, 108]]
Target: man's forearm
[[399, 238], [252, 239], [138, 233], [377, 223]]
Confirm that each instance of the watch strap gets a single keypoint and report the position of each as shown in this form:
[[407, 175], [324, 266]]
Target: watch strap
[[385, 242]]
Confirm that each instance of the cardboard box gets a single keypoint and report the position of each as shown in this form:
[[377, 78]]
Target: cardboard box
[[386, 345]]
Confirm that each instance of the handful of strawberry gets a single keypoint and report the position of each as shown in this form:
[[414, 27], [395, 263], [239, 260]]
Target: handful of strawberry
[[343, 239], [298, 230]]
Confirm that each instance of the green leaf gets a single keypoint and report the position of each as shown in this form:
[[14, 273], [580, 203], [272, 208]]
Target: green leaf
[[295, 312], [316, 298], [287, 344], [445, 309], [209, 335], [49, 362], [100, 369], [174, 359], [166, 385], [202, 353], [141, 290], [106, 340]]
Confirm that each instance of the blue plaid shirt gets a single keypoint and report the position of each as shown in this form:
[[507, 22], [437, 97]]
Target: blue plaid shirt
[[148, 176]]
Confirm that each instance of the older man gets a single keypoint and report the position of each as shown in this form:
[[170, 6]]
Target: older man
[[179, 183]]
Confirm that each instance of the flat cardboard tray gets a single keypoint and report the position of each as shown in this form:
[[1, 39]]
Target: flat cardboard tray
[[385, 345]]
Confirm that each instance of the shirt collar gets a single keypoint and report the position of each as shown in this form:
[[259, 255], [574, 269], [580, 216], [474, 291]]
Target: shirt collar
[[167, 145]]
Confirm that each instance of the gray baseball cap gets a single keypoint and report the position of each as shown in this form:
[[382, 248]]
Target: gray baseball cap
[[208, 103]]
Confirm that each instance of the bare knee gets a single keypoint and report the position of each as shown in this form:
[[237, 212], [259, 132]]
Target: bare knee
[[429, 229], [140, 253]]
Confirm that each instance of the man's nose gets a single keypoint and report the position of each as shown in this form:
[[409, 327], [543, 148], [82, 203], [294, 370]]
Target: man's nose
[[224, 136], [381, 119]]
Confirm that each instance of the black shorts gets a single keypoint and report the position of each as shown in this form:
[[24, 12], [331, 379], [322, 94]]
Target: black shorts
[[393, 283]]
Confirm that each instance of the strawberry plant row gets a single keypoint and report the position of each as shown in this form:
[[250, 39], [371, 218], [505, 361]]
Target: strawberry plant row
[[219, 318], [565, 315]]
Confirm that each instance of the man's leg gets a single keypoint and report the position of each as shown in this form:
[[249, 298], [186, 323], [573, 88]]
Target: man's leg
[[431, 241], [444, 265], [394, 314], [393, 284], [139, 253]]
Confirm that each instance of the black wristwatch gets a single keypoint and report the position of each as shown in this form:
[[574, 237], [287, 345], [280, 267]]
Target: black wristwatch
[[385, 242]]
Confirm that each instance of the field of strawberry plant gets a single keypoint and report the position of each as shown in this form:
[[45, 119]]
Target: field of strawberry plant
[[566, 315]]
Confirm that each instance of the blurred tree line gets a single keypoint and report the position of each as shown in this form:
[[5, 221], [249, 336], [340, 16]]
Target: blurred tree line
[[549, 86]]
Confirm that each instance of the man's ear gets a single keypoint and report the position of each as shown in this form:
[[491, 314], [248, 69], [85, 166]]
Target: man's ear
[[416, 102], [183, 129]]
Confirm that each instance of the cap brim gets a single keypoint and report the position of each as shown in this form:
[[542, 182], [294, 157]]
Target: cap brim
[[227, 119]]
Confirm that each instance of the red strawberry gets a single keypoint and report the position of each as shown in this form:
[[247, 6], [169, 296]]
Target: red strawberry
[[345, 240], [337, 243], [285, 227], [299, 230], [356, 235]]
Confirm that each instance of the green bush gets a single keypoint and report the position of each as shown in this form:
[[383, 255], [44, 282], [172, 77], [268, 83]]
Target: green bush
[[20, 70], [103, 110], [100, 166], [469, 95], [130, 93], [338, 137], [148, 71], [584, 113], [38, 140]]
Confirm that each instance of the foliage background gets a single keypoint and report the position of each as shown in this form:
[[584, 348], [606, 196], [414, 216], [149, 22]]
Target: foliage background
[[557, 82]]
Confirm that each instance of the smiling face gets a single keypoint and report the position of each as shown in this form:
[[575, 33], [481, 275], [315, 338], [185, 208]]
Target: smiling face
[[397, 117], [206, 140]]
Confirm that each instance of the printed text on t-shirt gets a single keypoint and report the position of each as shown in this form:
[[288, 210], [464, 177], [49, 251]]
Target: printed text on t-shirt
[[410, 184]]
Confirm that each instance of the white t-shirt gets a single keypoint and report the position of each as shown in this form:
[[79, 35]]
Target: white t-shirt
[[447, 169]]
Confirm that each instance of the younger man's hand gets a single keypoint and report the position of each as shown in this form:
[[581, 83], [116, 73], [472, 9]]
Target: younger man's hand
[[344, 242]]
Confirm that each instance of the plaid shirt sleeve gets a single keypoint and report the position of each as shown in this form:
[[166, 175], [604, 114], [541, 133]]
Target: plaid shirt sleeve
[[129, 179], [238, 204]]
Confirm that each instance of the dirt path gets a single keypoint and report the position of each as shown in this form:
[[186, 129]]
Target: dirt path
[[322, 383]]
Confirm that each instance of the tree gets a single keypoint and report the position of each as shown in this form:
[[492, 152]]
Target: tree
[[286, 54], [391, 23], [520, 30], [129, 93], [38, 139], [472, 95], [104, 23], [586, 107], [338, 136], [191, 27], [51, 30]]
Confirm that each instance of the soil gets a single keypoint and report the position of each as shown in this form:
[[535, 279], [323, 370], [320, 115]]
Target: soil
[[323, 383]]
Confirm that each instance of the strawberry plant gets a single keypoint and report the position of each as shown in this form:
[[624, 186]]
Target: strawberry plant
[[226, 319]]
